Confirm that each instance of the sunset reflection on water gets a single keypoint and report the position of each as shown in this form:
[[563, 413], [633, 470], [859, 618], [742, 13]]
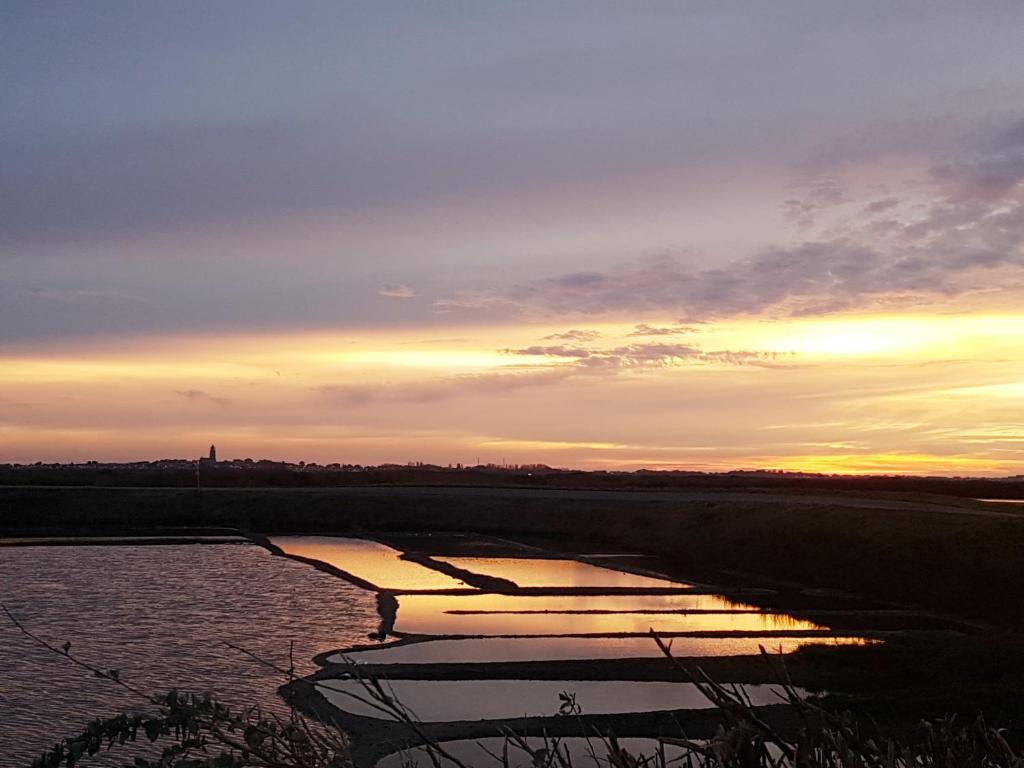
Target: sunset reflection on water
[[429, 614], [536, 572], [376, 563]]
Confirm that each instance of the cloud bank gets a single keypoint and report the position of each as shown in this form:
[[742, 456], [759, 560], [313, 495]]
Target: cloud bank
[[966, 235]]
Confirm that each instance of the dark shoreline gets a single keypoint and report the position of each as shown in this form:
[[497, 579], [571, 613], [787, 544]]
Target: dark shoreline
[[946, 559]]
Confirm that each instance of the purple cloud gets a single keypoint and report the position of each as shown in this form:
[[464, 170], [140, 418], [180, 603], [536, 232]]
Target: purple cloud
[[973, 226], [643, 329], [549, 351], [442, 389], [649, 355]]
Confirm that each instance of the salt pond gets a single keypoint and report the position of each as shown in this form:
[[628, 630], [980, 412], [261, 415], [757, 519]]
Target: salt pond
[[420, 605], [489, 752], [369, 560], [538, 572], [173, 606], [580, 753], [429, 615], [566, 648], [162, 615], [433, 700]]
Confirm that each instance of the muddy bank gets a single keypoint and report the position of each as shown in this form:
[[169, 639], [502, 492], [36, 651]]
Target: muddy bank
[[320, 565], [809, 673], [477, 580]]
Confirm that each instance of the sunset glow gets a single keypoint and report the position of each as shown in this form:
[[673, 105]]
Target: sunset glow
[[493, 263], [862, 394]]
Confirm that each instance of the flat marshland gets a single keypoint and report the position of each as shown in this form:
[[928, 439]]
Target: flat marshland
[[953, 555], [900, 607]]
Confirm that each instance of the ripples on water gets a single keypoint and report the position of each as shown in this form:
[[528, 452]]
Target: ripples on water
[[448, 700], [160, 615]]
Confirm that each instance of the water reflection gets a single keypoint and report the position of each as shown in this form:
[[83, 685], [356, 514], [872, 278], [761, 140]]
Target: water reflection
[[489, 752], [412, 606], [434, 700], [161, 615], [567, 648], [373, 562], [535, 572], [426, 619]]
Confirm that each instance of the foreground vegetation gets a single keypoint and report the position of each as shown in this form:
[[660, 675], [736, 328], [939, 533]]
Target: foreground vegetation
[[199, 732], [185, 730]]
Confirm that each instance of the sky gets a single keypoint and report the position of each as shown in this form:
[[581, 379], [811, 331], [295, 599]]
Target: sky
[[668, 235]]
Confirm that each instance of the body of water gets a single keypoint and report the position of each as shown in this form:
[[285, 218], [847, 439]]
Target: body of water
[[538, 572], [376, 563], [445, 700], [428, 622], [566, 648], [422, 605], [161, 615], [489, 753]]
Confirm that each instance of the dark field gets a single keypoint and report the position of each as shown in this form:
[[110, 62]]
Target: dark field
[[278, 475], [949, 555]]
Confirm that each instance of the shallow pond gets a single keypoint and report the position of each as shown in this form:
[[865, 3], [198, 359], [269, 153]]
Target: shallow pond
[[433, 700], [425, 605], [376, 563], [161, 615], [429, 615], [565, 648], [537, 572], [486, 753]]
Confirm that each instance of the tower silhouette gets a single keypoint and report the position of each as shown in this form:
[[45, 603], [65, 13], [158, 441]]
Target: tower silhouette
[[213, 453]]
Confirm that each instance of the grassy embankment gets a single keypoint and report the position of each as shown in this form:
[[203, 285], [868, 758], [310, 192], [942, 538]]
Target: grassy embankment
[[271, 475]]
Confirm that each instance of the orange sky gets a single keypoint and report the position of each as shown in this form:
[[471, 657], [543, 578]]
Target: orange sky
[[910, 393]]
